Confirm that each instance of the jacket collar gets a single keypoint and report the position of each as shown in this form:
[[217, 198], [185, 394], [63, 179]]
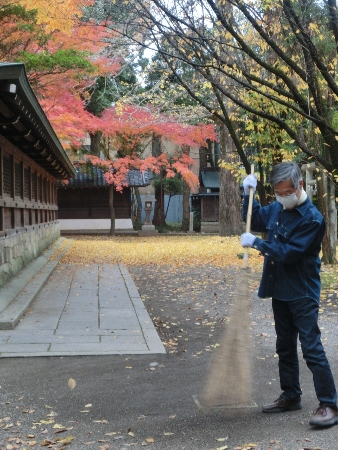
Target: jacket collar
[[304, 206]]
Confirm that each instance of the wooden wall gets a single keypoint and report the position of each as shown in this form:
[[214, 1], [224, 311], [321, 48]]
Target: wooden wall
[[92, 203], [210, 208], [27, 192]]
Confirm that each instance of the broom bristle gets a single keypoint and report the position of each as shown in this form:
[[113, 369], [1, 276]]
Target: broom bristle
[[229, 381]]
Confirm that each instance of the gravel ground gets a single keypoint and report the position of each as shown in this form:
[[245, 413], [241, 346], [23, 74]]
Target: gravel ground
[[191, 308], [147, 401]]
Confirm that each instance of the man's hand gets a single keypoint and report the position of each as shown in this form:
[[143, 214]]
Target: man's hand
[[250, 181], [247, 239]]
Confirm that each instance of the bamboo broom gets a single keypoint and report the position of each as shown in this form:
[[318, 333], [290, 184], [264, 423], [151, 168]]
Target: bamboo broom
[[229, 380]]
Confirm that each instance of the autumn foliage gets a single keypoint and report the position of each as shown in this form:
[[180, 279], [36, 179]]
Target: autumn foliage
[[64, 55], [115, 172]]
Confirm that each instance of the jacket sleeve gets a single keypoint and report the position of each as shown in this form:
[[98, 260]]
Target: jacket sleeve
[[260, 215], [303, 240]]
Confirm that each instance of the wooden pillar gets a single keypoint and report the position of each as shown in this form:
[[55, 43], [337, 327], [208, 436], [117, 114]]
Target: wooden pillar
[[30, 183], [22, 187], [13, 177], [36, 186]]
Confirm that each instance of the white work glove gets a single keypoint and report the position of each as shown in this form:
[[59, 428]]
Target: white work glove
[[247, 239], [250, 181]]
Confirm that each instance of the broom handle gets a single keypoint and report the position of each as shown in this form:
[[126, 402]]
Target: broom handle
[[248, 217]]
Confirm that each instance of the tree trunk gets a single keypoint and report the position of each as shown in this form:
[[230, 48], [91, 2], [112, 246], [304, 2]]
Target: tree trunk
[[324, 187], [332, 219], [203, 155], [210, 155], [95, 140], [186, 194], [186, 207], [230, 220], [139, 204], [111, 209], [326, 196], [261, 188], [158, 219]]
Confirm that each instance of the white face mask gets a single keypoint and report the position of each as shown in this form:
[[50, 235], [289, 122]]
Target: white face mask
[[289, 201]]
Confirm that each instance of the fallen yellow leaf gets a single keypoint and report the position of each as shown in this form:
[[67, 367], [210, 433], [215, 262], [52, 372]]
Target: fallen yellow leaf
[[65, 441], [177, 251]]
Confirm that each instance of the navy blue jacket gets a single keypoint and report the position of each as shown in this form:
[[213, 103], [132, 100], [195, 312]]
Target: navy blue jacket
[[291, 250]]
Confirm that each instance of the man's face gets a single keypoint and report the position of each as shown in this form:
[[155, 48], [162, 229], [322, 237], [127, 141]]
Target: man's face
[[285, 189]]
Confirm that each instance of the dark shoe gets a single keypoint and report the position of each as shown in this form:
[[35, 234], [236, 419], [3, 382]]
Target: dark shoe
[[281, 405], [324, 416]]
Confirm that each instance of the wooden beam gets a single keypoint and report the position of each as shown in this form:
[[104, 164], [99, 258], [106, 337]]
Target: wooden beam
[[9, 121]]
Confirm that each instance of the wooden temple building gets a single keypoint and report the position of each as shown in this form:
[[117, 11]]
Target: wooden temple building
[[207, 200], [32, 160], [84, 202]]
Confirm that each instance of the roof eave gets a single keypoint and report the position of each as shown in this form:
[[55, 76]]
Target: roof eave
[[18, 94]]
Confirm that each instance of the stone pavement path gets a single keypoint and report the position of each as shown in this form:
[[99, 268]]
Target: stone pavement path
[[84, 310]]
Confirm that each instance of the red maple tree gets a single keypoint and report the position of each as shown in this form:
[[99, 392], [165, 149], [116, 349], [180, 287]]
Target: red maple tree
[[63, 90]]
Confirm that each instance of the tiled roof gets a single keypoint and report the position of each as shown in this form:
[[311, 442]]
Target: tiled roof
[[138, 178], [210, 179], [93, 176], [24, 123]]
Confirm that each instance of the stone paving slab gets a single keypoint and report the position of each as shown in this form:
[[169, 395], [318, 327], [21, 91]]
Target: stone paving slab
[[51, 339], [83, 310], [118, 324], [19, 292]]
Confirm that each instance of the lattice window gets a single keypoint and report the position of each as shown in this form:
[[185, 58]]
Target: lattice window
[[26, 182], [34, 197], [18, 179], [7, 174]]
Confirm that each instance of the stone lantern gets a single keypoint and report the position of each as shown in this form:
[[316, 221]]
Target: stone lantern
[[148, 229]]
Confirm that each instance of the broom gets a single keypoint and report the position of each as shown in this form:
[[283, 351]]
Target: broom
[[229, 380]]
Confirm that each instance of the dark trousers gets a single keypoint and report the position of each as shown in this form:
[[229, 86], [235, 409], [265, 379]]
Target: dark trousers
[[300, 318]]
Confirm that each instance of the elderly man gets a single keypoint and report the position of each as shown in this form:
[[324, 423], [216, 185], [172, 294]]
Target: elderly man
[[295, 230]]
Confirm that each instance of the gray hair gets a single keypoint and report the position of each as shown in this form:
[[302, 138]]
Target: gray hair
[[286, 171]]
